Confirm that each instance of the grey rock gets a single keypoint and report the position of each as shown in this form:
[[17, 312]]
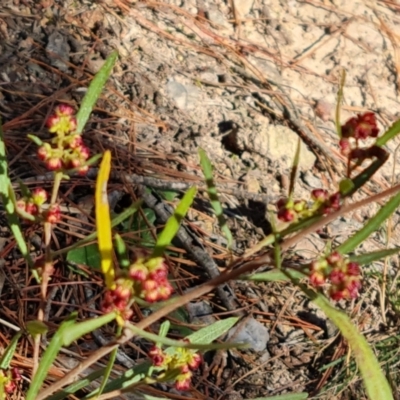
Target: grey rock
[[58, 50], [184, 96], [251, 332]]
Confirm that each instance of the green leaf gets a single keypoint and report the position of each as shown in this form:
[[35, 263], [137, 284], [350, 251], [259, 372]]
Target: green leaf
[[127, 379], [375, 382], [173, 223], [88, 255], [389, 134], [48, 358], [207, 168], [36, 327], [82, 383], [108, 371], [169, 195], [210, 333], [204, 345], [371, 226], [6, 194], [8, 354], [77, 330], [274, 276], [121, 251], [94, 90], [369, 258]]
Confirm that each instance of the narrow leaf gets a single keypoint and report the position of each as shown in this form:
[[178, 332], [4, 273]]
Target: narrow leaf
[[369, 258], [393, 131], [173, 223], [9, 352], [94, 90], [103, 223], [48, 358], [213, 332], [5, 190], [82, 383], [274, 275], [375, 382], [122, 252], [207, 169], [371, 226], [77, 330]]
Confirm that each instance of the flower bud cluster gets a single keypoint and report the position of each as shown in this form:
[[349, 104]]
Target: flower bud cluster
[[66, 150], [145, 278], [9, 379], [361, 127], [323, 203], [34, 205], [179, 362], [342, 274], [151, 279]]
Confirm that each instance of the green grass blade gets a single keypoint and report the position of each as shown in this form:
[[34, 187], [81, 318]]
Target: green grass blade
[[94, 90], [173, 223], [48, 358], [207, 169], [369, 258], [376, 384], [5, 191], [77, 330], [107, 371], [371, 226], [82, 383], [392, 132], [363, 177], [274, 275], [9, 352]]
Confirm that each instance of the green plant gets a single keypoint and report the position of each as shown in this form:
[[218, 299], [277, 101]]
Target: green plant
[[145, 280]]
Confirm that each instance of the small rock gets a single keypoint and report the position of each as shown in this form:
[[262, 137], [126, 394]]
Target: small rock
[[251, 332], [282, 144], [58, 50], [243, 7], [184, 96], [200, 313], [323, 110]]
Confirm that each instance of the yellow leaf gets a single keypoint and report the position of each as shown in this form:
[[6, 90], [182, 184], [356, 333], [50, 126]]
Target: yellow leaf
[[103, 222]]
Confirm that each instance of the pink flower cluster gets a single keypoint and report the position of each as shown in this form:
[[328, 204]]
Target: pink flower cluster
[[342, 274], [180, 362], [34, 205], [145, 278], [9, 379], [66, 150], [355, 129], [323, 203]]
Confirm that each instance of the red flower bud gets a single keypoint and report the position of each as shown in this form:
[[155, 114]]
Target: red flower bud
[[54, 164], [320, 195], [64, 109], [53, 214]]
